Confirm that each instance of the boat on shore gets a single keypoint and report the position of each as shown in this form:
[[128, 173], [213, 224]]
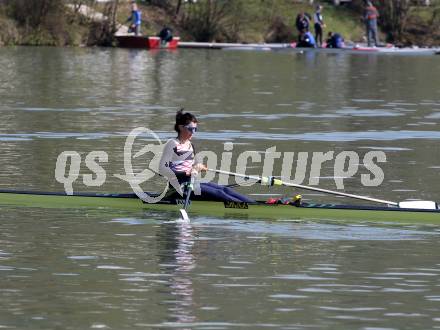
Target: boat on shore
[[370, 50], [287, 47], [145, 42], [257, 210], [227, 45]]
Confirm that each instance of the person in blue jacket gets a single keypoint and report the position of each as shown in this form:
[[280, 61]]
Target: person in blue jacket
[[306, 39], [135, 19], [335, 40]]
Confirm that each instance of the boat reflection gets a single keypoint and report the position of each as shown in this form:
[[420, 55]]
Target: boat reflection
[[176, 241]]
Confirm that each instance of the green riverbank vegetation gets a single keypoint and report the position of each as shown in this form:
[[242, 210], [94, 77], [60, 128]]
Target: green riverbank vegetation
[[55, 23], [93, 22]]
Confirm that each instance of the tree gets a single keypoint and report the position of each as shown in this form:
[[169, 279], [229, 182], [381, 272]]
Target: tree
[[394, 15], [208, 20], [33, 13]]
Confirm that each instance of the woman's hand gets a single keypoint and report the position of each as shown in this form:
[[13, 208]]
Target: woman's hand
[[196, 169], [200, 167]]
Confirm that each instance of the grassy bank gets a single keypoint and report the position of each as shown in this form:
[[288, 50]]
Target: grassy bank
[[49, 23]]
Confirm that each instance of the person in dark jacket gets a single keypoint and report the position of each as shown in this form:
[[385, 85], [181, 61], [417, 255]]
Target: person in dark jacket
[[335, 40], [306, 40], [319, 25], [302, 22], [165, 35]]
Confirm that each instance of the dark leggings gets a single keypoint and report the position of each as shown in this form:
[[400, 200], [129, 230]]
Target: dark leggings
[[318, 34], [213, 191]]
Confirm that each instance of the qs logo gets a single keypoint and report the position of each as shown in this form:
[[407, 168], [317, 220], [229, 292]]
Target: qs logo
[[68, 165], [136, 179]]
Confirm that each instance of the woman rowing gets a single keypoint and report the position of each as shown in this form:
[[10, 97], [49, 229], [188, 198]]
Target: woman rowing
[[178, 162]]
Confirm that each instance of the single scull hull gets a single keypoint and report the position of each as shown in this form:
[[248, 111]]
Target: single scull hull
[[219, 209]]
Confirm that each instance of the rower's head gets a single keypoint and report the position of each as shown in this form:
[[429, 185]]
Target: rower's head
[[186, 124]]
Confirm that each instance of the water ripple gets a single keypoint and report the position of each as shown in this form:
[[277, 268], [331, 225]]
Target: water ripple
[[228, 135], [312, 231]]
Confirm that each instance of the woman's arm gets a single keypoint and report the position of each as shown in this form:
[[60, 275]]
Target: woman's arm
[[164, 165], [198, 166]]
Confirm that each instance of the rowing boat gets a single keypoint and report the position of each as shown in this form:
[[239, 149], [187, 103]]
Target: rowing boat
[[258, 210], [369, 50], [354, 49], [145, 42]]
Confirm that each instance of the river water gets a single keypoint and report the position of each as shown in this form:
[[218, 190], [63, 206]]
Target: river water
[[115, 269]]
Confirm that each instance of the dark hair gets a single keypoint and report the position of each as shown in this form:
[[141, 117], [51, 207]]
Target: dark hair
[[184, 118]]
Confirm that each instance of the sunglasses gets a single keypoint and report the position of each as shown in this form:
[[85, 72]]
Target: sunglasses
[[191, 129]]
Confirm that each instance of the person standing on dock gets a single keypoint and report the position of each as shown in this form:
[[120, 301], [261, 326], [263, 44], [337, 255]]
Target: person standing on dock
[[302, 24], [319, 25], [135, 19], [370, 16]]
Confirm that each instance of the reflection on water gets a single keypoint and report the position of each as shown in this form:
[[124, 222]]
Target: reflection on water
[[322, 231], [175, 256]]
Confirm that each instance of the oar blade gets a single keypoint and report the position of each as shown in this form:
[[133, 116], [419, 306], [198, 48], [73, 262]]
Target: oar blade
[[189, 189], [421, 205], [184, 215]]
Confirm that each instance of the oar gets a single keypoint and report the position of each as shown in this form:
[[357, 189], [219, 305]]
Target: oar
[[271, 181], [189, 189]]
